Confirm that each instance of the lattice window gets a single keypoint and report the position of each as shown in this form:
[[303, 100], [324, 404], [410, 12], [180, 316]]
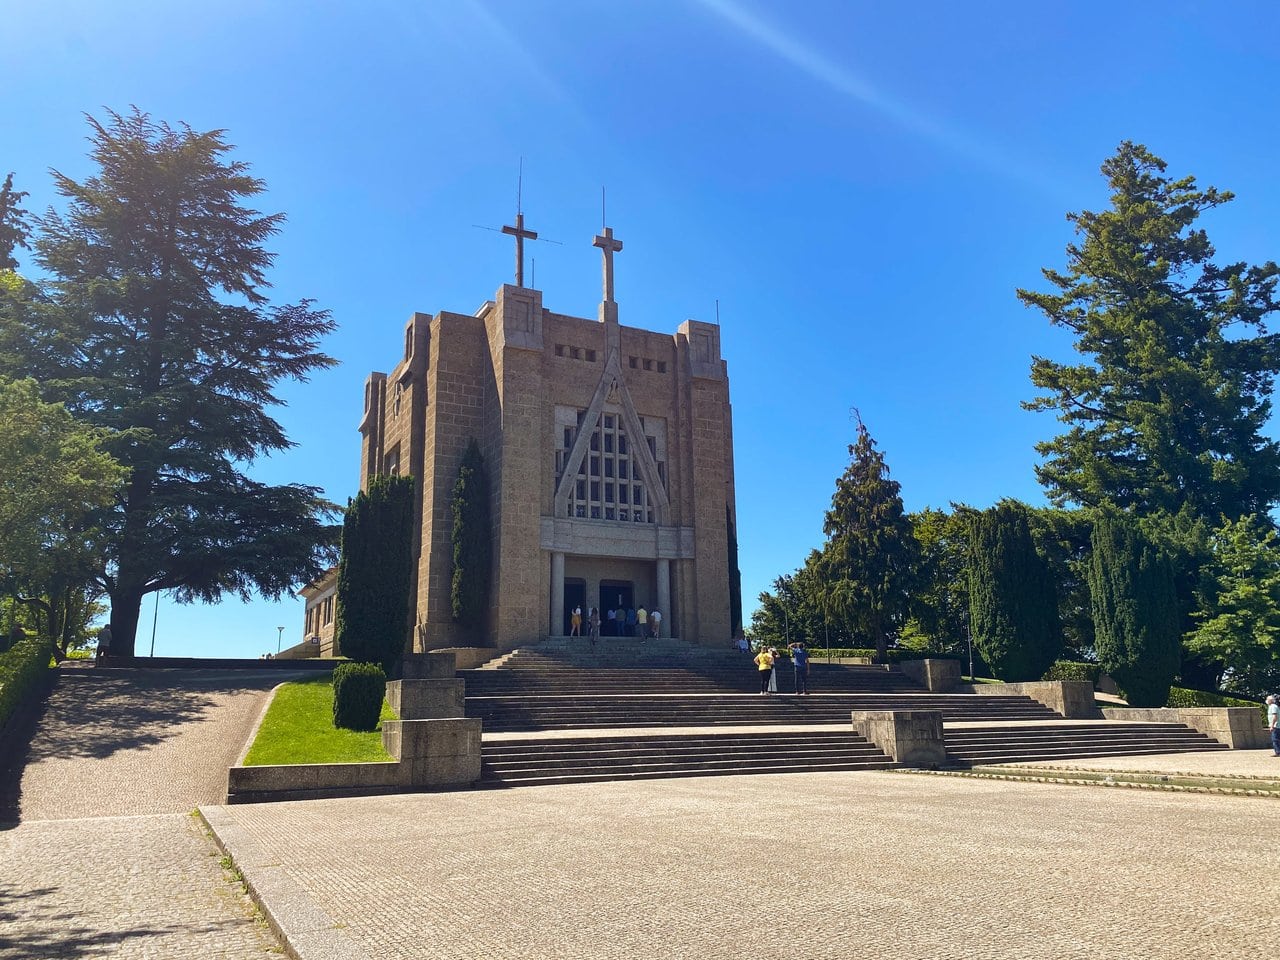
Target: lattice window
[[609, 484]]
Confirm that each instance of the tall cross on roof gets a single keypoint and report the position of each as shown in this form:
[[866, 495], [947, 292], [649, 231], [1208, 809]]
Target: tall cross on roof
[[609, 246], [521, 234]]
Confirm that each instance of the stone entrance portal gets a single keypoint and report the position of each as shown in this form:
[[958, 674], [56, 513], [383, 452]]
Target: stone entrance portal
[[575, 595], [615, 595]]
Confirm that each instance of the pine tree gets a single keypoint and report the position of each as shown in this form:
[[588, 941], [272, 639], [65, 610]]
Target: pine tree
[[1135, 611], [13, 224], [375, 574], [1168, 408], [1012, 601], [153, 324], [472, 552], [869, 559]]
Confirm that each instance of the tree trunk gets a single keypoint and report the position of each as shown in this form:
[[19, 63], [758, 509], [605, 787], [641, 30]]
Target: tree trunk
[[882, 645], [126, 605]]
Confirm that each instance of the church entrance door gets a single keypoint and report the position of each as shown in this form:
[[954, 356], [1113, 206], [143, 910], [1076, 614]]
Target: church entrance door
[[575, 595], [615, 595]]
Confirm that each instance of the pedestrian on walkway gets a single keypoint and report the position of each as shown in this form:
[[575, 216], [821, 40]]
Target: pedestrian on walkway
[[575, 622], [764, 663], [1273, 723], [800, 660], [642, 621], [593, 623], [104, 642], [655, 623], [631, 622], [776, 654], [611, 623]]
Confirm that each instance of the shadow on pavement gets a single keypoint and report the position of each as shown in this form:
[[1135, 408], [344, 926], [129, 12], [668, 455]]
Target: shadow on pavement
[[33, 926]]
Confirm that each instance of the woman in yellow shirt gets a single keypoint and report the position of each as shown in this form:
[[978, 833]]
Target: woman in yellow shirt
[[764, 662]]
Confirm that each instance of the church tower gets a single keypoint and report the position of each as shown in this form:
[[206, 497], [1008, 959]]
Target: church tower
[[609, 450]]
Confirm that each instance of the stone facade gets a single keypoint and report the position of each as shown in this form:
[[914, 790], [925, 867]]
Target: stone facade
[[609, 450]]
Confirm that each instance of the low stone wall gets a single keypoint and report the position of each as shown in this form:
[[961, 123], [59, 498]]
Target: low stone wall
[[909, 737], [935, 675], [426, 699], [468, 658], [428, 755], [1240, 728], [1071, 698]]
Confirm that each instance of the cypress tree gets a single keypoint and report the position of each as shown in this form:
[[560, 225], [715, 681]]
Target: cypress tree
[[1135, 611], [1013, 605], [471, 545], [375, 574], [735, 577]]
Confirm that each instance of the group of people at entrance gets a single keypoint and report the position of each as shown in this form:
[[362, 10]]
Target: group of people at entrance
[[767, 663], [631, 622]]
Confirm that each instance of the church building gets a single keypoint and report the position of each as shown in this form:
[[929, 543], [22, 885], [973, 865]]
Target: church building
[[609, 451]]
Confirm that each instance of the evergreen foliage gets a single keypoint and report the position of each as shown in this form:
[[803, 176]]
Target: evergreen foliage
[[358, 692], [794, 609], [472, 550], [13, 224], [375, 574], [939, 608], [735, 577], [1135, 611], [1240, 624], [1013, 603], [869, 559], [22, 670], [1167, 409], [153, 324]]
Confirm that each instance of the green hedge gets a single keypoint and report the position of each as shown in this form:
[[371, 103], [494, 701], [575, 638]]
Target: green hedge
[[1074, 670], [22, 670], [358, 692], [895, 655], [1182, 697]]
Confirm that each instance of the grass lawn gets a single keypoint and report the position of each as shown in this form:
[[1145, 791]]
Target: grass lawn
[[298, 728]]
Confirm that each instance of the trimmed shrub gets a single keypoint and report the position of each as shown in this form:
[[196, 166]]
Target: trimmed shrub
[[358, 692], [1074, 670], [22, 669], [1182, 697]]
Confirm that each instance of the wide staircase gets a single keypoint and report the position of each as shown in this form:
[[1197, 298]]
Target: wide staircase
[[665, 708]]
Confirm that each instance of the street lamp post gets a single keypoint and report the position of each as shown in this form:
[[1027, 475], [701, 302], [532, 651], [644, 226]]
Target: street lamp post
[[279, 638]]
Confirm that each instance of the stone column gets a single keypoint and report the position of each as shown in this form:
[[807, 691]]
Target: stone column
[[664, 595], [557, 594]]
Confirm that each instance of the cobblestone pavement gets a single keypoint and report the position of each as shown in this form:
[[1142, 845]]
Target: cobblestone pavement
[[129, 742], [123, 887], [805, 865], [100, 855]]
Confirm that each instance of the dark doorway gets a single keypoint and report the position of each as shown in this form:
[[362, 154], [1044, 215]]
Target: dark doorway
[[575, 595], [615, 595]]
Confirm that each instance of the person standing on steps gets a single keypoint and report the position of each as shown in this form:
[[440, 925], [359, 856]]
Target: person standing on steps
[[593, 626], [611, 623], [800, 660], [655, 623], [764, 664], [1273, 723], [575, 622], [642, 621], [631, 622], [776, 654]]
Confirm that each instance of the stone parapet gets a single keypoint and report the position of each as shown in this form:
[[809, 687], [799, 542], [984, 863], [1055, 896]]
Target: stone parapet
[[468, 658], [435, 753], [434, 665], [935, 675], [1240, 728], [910, 737], [426, 699], [1073, 699]]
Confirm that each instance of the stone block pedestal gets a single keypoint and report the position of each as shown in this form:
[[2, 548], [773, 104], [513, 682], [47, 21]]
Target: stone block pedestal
[[909, 737], [426, 699], [434, 753]]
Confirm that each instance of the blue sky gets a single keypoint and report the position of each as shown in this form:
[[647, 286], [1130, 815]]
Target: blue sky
[[862, 186]]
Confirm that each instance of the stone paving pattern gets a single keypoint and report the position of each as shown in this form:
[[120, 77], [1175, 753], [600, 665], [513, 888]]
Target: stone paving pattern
[[1248, 764], [101, 857], [804, 865]]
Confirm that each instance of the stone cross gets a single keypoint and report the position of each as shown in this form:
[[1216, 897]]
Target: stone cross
[[521, 235], [609, 246]]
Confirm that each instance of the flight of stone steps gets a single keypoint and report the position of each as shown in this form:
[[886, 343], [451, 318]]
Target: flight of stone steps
[[580, 760], [976, 746], [623, 684]]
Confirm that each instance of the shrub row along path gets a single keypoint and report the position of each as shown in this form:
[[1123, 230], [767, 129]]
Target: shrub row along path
[[101, 854]]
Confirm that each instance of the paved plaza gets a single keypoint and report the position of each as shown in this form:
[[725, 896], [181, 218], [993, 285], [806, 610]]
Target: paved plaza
[[803, 865], [101, 855]]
